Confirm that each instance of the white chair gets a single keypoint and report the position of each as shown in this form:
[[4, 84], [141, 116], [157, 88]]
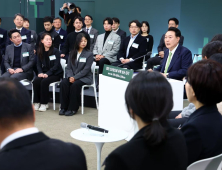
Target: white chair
[[206, 164], [63, 64], [93, 67]]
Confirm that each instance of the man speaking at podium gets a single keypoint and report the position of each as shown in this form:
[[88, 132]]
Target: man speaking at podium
[[177, 59], [131, 48]]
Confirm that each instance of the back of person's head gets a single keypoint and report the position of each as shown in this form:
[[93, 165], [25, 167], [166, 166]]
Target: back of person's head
[[16, 107], [211, 48], [26, 19], [176, 30], [138, 24], [13, 31], [147, 24], [205, 78], [217, 57], [217, 37], [175, 20], [116, 20], [149, 96], [109, 20], [48, 19]]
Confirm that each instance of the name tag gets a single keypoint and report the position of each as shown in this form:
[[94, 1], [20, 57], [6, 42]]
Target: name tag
[[25, 54], [61, 36], [24, 37], [1, 35], [52, 57], [31, 36], [110, 42], [147, 39], [91, 35], [135, 45], [83, 60]]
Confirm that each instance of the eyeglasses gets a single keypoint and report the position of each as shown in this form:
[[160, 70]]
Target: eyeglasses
[[133, 27]]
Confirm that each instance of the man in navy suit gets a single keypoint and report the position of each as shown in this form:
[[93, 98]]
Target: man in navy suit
[[26, 34], [57, 23], [131, 48], [177, 59], [3, 38]]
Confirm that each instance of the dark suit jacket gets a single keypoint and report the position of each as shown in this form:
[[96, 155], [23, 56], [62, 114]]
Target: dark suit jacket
[[3, 38], [27, 62], [203, 133], [34, 37], [63, 36], [24, 32], [37, 151], [81, 70], [55, 66], [137, 155], [181, 61], [162, 46], [122, 34], [133, 52]]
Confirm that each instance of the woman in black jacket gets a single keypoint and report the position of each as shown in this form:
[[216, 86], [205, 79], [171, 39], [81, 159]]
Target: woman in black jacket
[[157, 145], [49, 71]]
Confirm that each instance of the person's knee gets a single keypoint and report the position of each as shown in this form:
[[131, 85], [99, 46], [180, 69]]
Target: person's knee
[[64, 82]]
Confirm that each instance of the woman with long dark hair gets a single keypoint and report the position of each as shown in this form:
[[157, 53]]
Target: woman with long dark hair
[[157, 145], [49, 71], [78, 73]]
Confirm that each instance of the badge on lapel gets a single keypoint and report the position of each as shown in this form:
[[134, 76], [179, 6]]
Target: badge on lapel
[[24, 37], [135, 45], [25, 54], [52, 57], [82, 60]]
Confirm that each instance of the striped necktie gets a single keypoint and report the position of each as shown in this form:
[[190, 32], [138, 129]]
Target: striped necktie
[[168, 62]]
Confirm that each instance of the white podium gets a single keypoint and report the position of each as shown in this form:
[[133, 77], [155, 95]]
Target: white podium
[[112, 107]]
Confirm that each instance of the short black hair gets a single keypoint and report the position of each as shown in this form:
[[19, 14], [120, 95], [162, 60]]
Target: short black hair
[[138, 24], [15, 103], [79, 8], [206, 80], [18, 14], [48, 19], [175, 20], [217, 37], [216, 57], [143, 96], [109, 20], [211, 48], [89, 17], [0, 19], [116, 20], [79, 18], [13, 31], [57, 18], [26, 19], [176, 30], [147, 24]]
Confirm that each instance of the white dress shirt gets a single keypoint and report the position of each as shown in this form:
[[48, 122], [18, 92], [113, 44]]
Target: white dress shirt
[[58, 30], [173, 51], [89, 29], [78, 31], [18, 134], [19, 29], [78, 54]]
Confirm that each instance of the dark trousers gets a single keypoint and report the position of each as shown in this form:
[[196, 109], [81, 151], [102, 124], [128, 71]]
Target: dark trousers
[[41, 88], [176, 122], [18, 76], [3, 66], [70, 98], [101, 63], [153, 61]]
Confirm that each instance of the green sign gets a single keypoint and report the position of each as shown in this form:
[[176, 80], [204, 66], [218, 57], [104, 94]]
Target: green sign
[[117, 72]]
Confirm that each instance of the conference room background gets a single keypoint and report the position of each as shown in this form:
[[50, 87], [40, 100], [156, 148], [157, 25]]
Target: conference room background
[[199, 20]]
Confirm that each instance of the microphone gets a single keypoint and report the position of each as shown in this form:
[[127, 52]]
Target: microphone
[[85, 125], [147, 54]]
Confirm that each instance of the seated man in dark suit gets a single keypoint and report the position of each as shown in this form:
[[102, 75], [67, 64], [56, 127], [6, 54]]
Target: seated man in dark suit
[[22, 145], [48, 25], [19, 58], [131, 48], [177, 59], [116, 29], [3, 38], [158, 59], [26, 34], [93, 33], [57, 23]]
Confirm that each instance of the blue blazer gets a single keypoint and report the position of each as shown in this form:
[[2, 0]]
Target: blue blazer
[[181, 61], [26, 32], [203, 134], [63, 36], [3, 38]]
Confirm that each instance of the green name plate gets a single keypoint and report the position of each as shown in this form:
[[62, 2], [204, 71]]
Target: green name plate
[[117, 73]]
